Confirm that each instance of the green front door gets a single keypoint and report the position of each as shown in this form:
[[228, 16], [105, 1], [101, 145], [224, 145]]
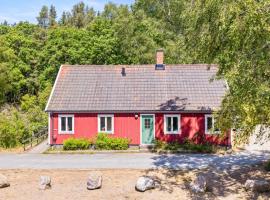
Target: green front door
[[147, 126]]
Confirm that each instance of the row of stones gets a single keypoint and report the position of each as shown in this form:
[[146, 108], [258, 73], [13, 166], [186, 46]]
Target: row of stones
[[199, 185]]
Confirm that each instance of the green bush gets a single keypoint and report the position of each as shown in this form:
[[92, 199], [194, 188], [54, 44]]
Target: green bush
[[104, 142], [159, 144], [76, 144], [14, 127], [187, 145], [267, 165]]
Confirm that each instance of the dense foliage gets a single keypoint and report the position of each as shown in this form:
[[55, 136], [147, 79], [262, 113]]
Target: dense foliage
[[105, 142], [76, 144], [233, 34], [186, 146]]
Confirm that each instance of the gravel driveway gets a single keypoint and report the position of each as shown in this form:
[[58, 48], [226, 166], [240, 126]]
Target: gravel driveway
[[129, 160]]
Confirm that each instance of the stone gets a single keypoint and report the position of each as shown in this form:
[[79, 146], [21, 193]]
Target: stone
[[199, 185], [45, 182], [144, 183], [94, 181], [257, 185], [3, 181]]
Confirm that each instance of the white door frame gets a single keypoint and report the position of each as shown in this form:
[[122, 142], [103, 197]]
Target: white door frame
[[154, 127]]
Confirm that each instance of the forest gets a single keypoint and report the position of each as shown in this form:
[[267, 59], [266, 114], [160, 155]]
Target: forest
[[234, 34]]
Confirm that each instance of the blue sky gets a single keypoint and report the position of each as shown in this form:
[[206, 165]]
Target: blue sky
[[27, 10]]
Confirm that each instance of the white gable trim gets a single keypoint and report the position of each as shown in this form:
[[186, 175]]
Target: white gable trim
[[54, 85]]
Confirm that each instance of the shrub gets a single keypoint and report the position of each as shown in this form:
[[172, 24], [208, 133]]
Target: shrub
[[187, 145], [13, 128], [267, 165], [105, 142], [76, 144], [158, 144]]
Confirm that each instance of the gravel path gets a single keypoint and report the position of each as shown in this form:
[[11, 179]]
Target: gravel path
[[42, 147], [130, 161]]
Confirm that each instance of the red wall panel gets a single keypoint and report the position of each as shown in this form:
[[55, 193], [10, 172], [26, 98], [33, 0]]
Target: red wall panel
[[86, 126], [127, 126]]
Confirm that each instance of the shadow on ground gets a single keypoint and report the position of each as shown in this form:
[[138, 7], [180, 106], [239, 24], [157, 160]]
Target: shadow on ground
[[226, 176]]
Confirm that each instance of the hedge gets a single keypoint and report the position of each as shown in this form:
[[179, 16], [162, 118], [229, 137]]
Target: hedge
[[76, 144], [105, 142]]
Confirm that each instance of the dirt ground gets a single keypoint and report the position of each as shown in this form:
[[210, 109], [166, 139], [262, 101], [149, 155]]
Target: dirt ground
[[119, 184]]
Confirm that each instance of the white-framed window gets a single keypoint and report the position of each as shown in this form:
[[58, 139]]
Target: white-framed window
[[66, 124], [105, 123], [210, 127], [171, 124]]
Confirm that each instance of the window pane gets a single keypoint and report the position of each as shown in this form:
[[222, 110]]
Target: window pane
[[175, 123], [146, 123], [109, 124], [102, 124], [168, 124], [209, 123], [69, 123], [63, 124]]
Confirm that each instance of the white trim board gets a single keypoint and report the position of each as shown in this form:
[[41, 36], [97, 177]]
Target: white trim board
[[54, 85]]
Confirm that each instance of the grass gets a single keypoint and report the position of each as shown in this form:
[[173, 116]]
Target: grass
[[53, 150], [60, 150]]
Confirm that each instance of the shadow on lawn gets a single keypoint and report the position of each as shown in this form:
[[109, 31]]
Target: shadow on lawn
[[226, 175]]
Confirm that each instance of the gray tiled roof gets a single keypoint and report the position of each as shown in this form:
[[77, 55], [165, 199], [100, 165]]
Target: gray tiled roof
[[90, 88]]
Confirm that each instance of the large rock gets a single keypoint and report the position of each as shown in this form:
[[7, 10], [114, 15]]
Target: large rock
[[3, 181], [199, 185], [257, 185], [94, 181], [144, 183], [45, 182]]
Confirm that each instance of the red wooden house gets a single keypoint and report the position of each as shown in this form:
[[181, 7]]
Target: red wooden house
[[139, 102]]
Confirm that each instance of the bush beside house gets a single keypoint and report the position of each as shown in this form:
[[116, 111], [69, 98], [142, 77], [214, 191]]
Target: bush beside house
[[187, 145], [267, 165], [76, 144], [105, 142], [102, 142]]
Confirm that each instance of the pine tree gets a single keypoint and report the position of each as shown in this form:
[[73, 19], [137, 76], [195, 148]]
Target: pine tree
[[43, 18], [52, 16], [64, 19], [5, 23], [78, 15]]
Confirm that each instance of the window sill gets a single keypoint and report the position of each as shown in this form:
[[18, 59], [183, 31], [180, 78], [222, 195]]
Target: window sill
[[66, 133], [105, 132], [172, 133]]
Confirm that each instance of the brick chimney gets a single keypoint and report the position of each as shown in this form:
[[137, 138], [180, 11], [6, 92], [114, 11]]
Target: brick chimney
[[160, 60]]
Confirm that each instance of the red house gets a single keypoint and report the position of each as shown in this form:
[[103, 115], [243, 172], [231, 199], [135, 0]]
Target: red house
[[139, 102]]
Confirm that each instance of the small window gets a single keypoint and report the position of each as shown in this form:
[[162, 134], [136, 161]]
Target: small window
[[105, 123], [66, 124], [171, 125], [210, 127], [146, 123]]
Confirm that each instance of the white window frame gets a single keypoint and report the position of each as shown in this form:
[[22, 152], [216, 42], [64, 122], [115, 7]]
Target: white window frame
[[179, 124], [59, 124], [213, 125], [109, 132]]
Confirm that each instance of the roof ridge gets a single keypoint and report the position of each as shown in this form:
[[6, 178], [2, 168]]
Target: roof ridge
[[136, 65]]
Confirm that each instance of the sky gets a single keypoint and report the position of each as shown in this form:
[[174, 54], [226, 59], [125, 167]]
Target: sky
[[27, 10]]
